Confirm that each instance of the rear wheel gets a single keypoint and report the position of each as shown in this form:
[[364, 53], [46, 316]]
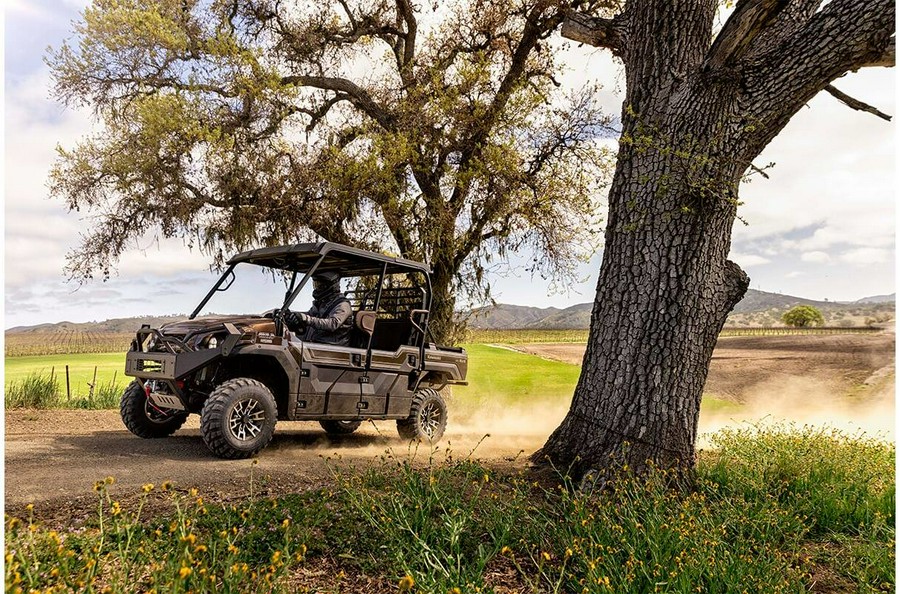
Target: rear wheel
[[145, 419], [238, 418], [340, 427], [427, 417]]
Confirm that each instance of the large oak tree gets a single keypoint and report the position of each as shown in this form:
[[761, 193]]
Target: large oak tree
[[438, 133], [698, 109]]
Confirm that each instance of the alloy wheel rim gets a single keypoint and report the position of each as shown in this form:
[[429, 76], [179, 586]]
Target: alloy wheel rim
[[247, 419], [430, 418]]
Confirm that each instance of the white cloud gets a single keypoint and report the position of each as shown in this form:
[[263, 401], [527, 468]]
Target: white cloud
[[30, 10], [38, 230], [748, 260], [816, 257], [834, 166], [167, 257], [866, 256]]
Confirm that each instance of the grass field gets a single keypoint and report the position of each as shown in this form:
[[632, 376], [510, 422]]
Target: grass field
[[497, 373], [779, 511], [110, 366], [497, 376]]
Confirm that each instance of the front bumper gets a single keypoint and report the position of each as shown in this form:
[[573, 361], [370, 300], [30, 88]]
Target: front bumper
[[175, 363]]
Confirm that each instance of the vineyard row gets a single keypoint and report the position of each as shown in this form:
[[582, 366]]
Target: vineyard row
[[73, 342]]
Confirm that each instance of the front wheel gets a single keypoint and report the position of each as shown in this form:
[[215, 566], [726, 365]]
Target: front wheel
[[427, 417], [340, 427], [145, 419], [238, 418]]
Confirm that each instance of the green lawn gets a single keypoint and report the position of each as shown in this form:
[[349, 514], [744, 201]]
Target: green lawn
[[502, 374], [81, 369]]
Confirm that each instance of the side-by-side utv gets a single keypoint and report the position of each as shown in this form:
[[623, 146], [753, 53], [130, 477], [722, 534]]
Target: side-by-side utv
[[242, 373]]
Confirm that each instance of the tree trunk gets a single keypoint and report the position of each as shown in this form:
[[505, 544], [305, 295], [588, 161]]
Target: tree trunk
[[696, 114], [662, 299], [664, 291], [442, 324]]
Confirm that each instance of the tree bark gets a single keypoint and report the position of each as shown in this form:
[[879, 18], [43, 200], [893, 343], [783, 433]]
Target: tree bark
[[664, 291]]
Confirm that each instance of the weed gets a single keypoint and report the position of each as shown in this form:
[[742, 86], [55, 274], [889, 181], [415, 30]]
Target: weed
[[37, 390]]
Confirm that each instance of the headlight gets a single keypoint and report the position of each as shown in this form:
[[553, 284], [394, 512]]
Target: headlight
[[212, 342]]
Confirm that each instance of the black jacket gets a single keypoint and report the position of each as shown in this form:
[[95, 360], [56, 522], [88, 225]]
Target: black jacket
[[330, 321]]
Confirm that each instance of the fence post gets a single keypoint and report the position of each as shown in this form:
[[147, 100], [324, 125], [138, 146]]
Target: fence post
[[68, 387], [93, 383]]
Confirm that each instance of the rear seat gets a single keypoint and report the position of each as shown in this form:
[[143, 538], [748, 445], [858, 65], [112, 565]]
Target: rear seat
[[390, 334]]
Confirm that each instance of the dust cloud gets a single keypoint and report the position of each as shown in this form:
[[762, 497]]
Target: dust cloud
[[792, 400], [501, 429], [808, 401]]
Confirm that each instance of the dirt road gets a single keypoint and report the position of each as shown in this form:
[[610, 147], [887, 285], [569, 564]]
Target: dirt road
[[54, 457]]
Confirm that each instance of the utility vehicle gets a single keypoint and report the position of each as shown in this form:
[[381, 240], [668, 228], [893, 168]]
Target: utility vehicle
[[241, 373]]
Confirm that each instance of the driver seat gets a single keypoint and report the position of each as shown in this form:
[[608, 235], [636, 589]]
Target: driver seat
[[363, 327]]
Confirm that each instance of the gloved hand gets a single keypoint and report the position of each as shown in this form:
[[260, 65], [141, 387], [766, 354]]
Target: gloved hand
[[295, 321]]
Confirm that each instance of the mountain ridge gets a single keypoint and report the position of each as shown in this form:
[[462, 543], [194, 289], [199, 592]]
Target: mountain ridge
[[756, 308]]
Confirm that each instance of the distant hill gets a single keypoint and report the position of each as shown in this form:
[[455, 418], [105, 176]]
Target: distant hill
[[757, 308], [761, 301], [114, 326], [878, 299]]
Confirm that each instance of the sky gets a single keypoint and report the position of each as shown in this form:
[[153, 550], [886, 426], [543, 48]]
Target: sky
[[821, 227]]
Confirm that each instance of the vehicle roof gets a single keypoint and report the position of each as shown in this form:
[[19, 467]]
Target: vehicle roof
[[343, 259]]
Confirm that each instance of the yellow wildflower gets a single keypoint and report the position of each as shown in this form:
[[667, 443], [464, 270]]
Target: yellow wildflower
[[406, 583]]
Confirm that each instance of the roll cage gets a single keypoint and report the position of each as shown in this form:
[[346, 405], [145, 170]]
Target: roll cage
[[307, 259]]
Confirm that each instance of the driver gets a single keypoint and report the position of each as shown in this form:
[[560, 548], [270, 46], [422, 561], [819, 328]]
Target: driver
[[330, 319]]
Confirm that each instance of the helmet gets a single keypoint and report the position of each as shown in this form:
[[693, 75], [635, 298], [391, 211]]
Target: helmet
[[325, 283], [326, 277]]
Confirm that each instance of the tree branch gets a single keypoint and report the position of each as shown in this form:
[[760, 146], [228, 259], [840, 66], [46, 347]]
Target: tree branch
[[595, 31], [843, 36], [855, 103], [535, 26], [357, 95], [749, 19], [790, 20], [409, 40]]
